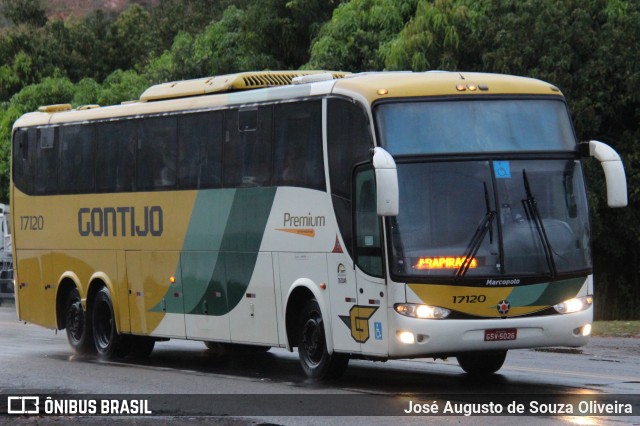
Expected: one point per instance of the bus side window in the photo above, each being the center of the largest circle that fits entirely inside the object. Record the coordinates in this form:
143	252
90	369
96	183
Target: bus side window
200	150
247	150
349	142
45	161
114	156
156	153
298	145
77	159
21	159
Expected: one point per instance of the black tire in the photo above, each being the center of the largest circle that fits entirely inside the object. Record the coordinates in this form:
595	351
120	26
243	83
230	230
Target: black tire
77	324
109	344
481	363
315	359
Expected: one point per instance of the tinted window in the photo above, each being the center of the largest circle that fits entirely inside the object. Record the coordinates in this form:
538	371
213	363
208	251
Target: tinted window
45	161
114	156
156	153
200	150
20	160
349	144
77	158
247	152
475	126
298	145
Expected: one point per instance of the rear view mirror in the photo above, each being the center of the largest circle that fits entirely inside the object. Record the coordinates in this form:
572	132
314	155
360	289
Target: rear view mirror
613	173
387	195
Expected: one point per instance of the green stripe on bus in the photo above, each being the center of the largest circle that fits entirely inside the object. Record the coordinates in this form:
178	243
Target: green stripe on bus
545	294
239	248
560	291
220	249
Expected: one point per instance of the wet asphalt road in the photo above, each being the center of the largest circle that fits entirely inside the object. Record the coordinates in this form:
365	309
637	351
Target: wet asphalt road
271	388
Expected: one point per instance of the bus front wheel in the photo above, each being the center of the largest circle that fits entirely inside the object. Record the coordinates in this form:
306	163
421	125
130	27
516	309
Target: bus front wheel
109	344
78	324
481	363
315	359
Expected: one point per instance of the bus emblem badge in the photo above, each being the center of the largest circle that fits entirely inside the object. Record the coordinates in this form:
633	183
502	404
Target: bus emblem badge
503	307
358	321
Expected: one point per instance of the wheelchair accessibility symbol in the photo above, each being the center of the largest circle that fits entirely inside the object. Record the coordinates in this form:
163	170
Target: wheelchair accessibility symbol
502	169
377	330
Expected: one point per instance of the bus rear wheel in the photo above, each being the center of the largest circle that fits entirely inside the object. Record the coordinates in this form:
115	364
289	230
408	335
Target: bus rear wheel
109	344
78	324
315	359
481	363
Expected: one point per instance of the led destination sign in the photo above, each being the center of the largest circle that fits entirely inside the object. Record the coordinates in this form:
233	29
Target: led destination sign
448	262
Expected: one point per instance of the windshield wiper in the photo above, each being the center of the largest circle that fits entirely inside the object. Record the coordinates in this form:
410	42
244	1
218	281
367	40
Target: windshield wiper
486	225
531	209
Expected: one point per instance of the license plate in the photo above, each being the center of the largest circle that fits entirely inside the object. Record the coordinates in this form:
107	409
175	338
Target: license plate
500	334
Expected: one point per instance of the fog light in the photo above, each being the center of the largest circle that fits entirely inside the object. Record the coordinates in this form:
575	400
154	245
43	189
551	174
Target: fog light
586	330
574	305
406	337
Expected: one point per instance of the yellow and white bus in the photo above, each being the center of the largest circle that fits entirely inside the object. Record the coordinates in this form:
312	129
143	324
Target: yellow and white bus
374	215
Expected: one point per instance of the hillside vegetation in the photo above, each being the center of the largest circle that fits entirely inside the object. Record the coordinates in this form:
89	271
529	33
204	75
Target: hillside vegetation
588	48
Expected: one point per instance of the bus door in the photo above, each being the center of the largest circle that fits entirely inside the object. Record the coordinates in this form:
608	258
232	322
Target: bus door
156	300
370	319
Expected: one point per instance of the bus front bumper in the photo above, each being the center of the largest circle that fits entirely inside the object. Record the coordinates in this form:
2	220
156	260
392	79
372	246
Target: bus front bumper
415	338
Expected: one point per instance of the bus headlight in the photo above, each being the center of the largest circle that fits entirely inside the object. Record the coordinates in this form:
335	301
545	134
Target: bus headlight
421	311
574	305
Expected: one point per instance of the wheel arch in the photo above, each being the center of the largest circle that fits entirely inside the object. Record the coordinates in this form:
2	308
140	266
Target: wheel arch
299	293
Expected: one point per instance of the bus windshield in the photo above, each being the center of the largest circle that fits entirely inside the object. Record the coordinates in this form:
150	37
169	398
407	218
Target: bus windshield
490	218
475	126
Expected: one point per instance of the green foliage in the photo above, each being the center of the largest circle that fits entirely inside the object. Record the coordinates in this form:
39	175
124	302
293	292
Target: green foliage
171	17
267	34
51	90
588	48
438	37
121	86
24	12
13	74
352	39
223	47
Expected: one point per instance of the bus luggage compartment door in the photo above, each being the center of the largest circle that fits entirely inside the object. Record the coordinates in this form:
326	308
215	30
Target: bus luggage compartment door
155	293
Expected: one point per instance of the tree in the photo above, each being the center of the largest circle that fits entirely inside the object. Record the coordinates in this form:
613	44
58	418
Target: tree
24	12
585	47
12	75
351	41
223	47
438	37
171	17
121	86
